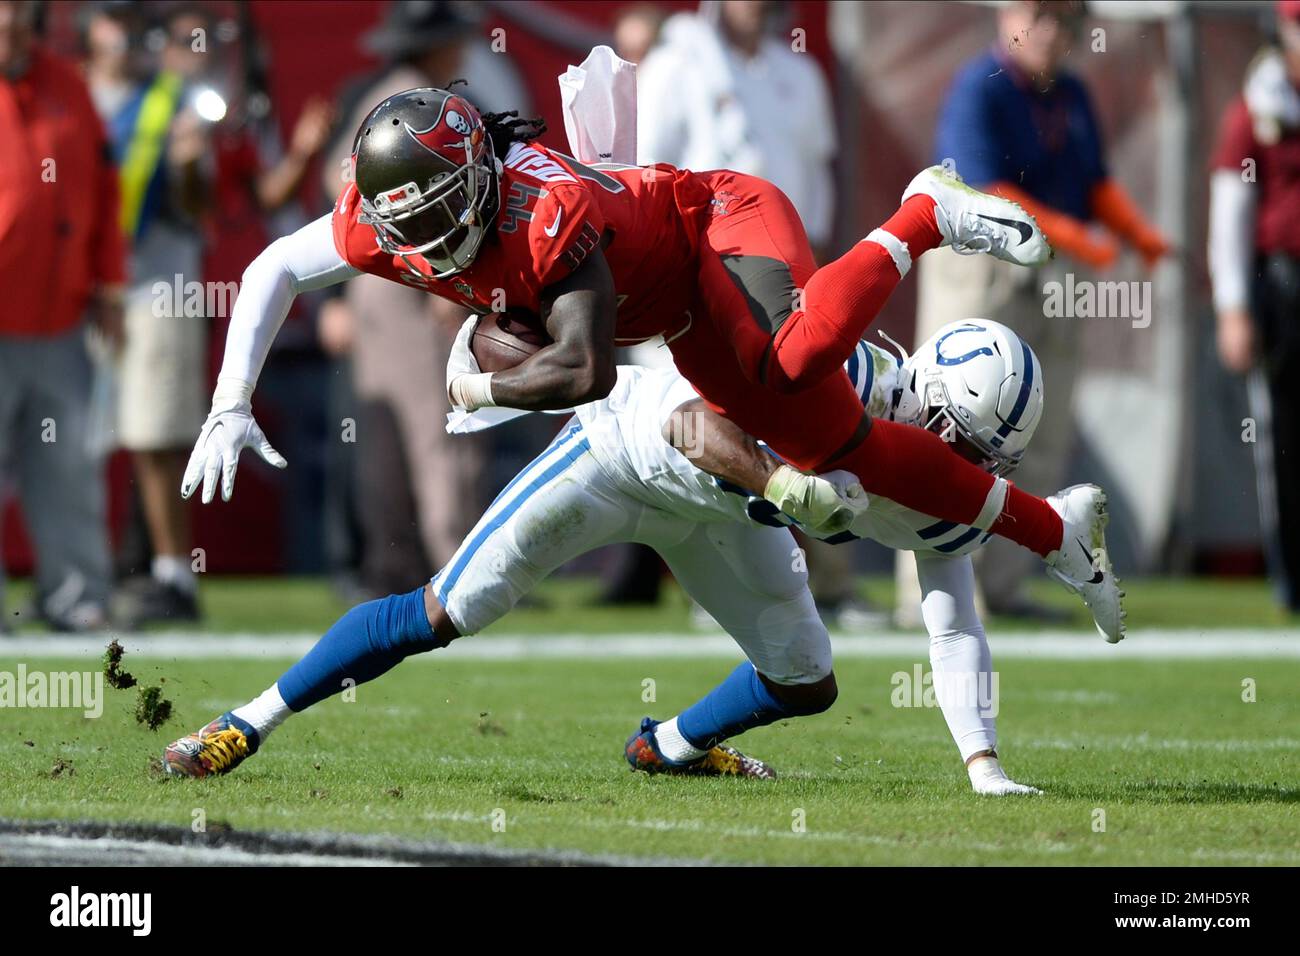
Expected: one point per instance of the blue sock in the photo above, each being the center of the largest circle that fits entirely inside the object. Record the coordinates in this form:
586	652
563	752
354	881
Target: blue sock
740	702
367	641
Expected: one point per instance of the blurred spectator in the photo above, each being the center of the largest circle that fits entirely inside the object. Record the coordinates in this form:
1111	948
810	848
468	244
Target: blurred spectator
1016	123
720	91
1254	258
636	31
410	471
723	90
162	130
61	259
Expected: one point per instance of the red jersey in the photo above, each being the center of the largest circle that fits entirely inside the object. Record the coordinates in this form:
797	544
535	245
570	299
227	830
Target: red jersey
1278	173
554	211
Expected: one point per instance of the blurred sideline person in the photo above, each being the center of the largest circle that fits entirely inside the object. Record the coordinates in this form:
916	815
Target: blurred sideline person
61	260
1017	124
724	90
410	472
636	31
163	141
617	472
1254	257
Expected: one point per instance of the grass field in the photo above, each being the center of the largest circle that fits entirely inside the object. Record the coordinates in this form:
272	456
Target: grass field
443	748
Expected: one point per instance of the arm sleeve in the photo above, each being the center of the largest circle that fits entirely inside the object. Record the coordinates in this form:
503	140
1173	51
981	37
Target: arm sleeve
300	262
1231	249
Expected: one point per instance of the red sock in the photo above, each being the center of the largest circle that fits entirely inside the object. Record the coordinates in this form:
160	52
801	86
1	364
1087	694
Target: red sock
842	299
917	469
915	225
1030	521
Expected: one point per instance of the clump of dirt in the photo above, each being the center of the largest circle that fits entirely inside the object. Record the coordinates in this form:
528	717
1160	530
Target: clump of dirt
151	708
113	673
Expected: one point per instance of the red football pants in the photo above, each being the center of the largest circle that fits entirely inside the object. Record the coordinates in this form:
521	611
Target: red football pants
769	341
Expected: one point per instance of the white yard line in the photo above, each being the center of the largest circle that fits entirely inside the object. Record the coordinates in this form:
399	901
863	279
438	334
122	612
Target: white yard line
1057	645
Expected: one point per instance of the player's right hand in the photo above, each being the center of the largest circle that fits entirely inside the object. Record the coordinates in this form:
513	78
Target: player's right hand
230	429
823	504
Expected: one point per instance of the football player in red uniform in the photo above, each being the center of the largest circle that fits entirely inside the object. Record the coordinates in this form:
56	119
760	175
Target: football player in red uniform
473	209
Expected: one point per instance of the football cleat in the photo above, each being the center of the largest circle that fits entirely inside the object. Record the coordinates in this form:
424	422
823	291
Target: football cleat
218	748
971	221
1082	563
642	752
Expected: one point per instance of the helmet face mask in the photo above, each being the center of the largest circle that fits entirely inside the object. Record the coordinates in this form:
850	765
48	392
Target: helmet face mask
983	391
428	179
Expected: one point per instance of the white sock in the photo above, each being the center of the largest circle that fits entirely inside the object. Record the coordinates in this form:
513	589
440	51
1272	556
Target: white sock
965	687
673	745
265	712
176	571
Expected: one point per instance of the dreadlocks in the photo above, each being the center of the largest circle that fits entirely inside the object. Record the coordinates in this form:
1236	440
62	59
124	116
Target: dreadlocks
507	129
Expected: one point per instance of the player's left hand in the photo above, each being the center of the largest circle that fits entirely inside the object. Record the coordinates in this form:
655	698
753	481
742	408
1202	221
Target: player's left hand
230	429
823	504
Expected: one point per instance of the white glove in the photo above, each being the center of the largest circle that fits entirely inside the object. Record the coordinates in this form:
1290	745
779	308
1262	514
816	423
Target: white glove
468	386
227	432
823	504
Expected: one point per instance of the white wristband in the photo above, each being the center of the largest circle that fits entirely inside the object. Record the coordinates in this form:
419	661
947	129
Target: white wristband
472	391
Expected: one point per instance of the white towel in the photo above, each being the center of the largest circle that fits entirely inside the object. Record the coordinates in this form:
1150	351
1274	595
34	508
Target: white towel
599	101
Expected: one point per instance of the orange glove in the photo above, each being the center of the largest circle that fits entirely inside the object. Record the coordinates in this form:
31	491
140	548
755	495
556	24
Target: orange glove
1066	234
1117	211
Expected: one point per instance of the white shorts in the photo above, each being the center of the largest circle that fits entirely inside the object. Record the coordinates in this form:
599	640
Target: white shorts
162	397
749	577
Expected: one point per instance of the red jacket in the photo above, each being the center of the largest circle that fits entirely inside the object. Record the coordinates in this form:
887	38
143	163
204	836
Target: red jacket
59	232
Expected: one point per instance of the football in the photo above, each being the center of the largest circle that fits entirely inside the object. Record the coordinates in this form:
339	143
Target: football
504	339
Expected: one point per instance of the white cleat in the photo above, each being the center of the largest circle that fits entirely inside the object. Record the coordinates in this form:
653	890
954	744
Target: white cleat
971	221
1082	563
988	778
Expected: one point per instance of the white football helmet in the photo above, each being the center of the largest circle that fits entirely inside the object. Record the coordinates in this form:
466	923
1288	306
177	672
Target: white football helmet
982	380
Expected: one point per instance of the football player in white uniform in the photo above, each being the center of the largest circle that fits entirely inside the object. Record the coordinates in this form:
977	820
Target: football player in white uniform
631	467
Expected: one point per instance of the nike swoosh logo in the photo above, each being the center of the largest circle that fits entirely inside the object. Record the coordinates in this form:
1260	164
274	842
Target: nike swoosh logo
554	227
1025	229
1097	576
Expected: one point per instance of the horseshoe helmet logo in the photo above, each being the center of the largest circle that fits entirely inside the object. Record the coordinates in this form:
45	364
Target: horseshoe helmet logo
960	359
